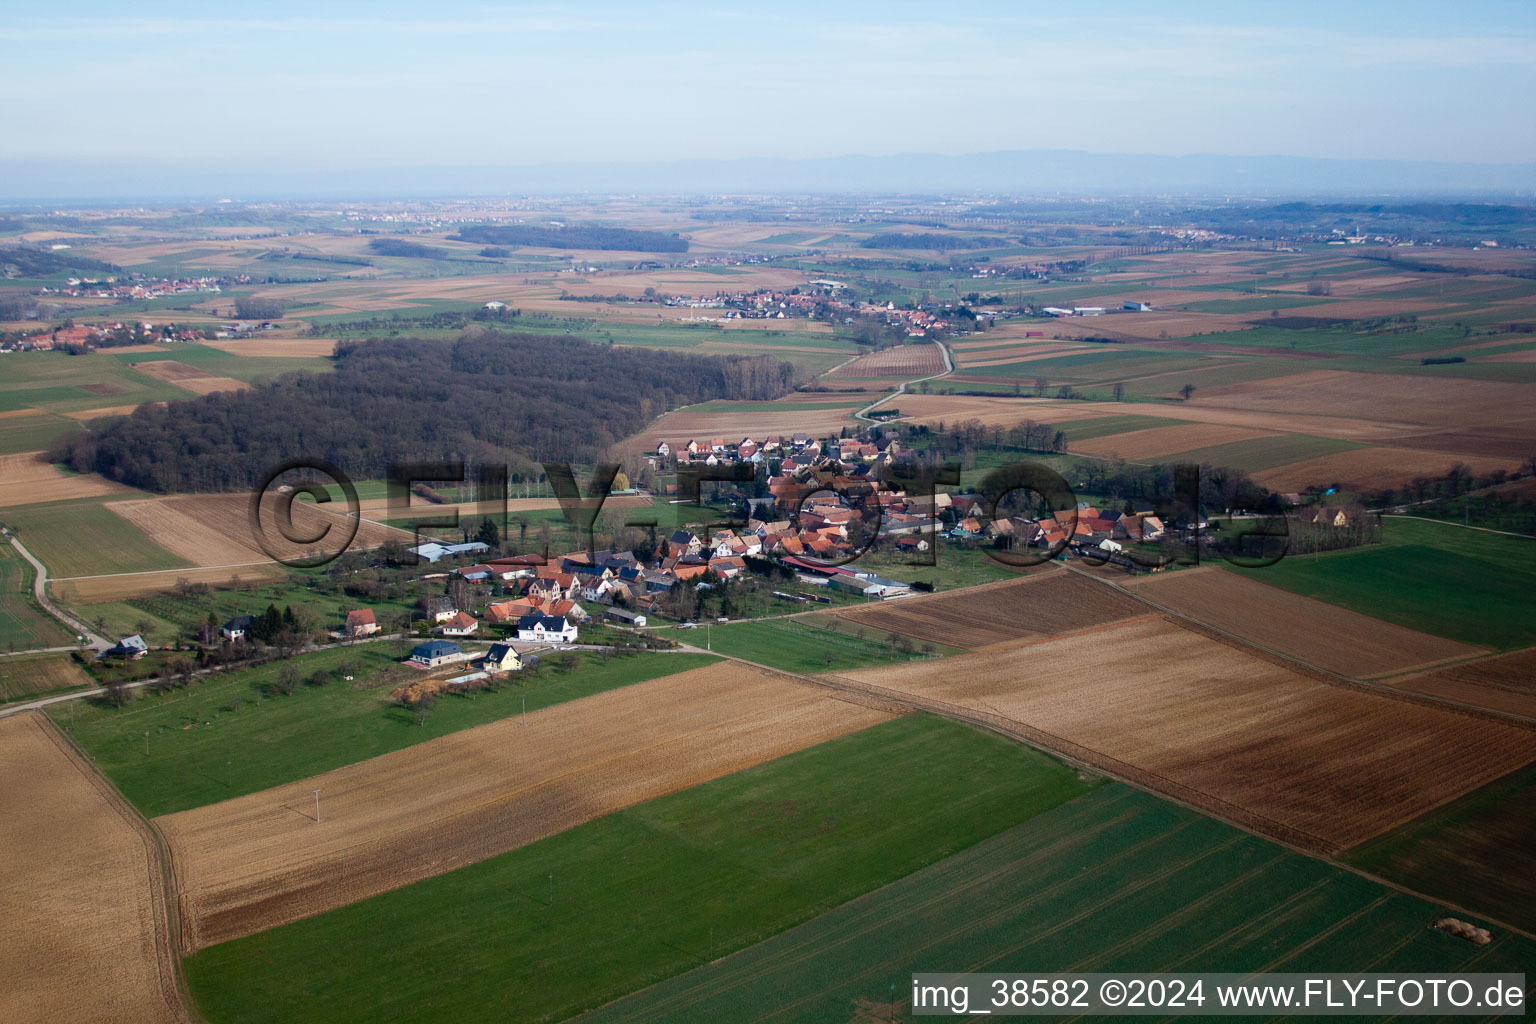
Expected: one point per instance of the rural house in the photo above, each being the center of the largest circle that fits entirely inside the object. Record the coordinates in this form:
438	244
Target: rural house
545	629
237	627
435	652
502	658
360	622
458	624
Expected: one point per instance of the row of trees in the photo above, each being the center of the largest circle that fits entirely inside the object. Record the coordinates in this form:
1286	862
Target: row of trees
572	237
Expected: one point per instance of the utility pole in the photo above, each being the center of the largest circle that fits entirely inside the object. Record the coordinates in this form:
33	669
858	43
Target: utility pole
551	888
525	711
317	807
146	742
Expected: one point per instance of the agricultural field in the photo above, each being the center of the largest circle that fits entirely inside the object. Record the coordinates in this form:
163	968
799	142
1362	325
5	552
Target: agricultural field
197	381
1478	851
28	430
900	361
1116	880
23	677
1152	442
84	935
1256	742
1001	615
1298	627
215	529
82	591
53	382
1506	682
1438	578
747	419
23	624
84	538
233	734
259	861
644	893
27	479
806	644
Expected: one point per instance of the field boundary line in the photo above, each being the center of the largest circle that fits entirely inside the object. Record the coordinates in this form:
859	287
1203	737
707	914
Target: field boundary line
898	702
1318	673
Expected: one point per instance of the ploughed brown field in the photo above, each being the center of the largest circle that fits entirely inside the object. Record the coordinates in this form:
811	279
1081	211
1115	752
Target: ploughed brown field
1151	442
1319	634
215	529
772	418
262	860
121	586
1319	765
27	480
1001	614
1505	683
199	382
897	361
83	936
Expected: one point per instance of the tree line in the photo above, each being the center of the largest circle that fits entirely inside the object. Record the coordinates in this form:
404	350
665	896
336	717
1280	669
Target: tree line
514	399
592	237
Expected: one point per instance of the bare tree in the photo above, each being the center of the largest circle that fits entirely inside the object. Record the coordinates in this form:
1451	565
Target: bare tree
287	679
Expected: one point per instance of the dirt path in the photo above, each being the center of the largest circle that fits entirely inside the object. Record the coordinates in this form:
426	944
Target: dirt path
901	389
40	591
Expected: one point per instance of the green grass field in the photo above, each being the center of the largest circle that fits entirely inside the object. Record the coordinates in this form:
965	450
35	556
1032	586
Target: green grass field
1440	578
1478	851
1114	881
222	738
798	645
222	364
1261	453
84	538
1103	426
56	382
645	893
954	565
23	624
121	618
32	432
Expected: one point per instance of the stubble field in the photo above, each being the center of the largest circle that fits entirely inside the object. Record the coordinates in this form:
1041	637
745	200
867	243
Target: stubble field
999	614
83	937
1331	638
25	479
215	529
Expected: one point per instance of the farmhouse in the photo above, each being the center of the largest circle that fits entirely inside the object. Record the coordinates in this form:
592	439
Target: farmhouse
360	622
545	629
458	624
237	627
436	652
131	647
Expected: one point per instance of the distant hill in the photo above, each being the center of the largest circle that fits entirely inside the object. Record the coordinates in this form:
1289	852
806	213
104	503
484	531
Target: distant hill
1011	171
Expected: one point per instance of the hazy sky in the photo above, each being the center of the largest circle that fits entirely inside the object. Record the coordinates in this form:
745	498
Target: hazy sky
315	85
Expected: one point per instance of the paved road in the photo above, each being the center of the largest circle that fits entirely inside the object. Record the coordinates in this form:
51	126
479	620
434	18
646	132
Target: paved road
949	368
40	591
